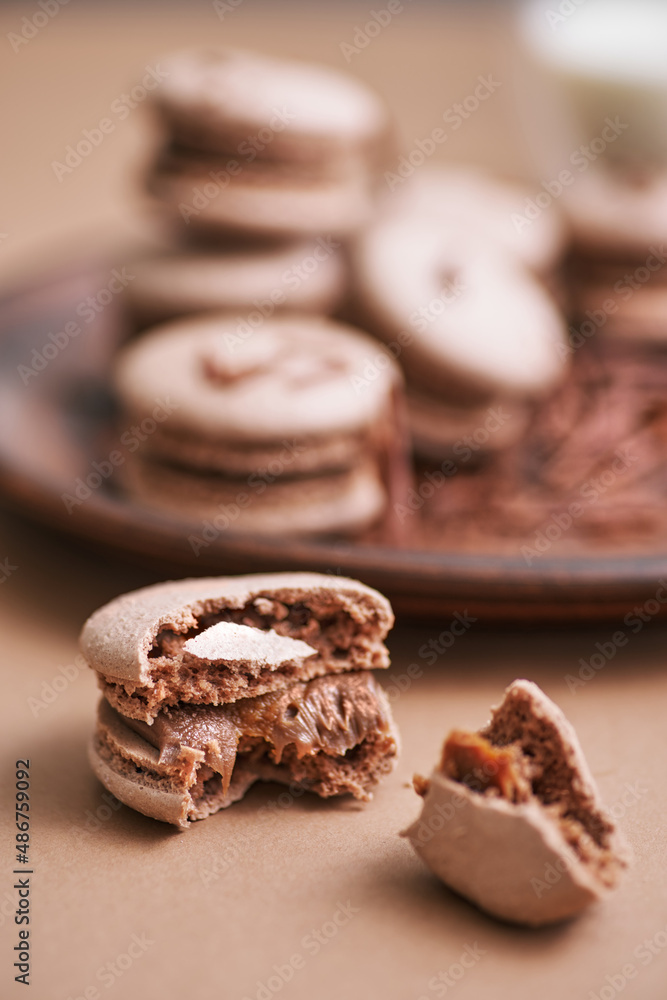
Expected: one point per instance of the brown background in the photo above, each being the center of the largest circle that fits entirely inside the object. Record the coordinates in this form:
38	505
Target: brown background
239	893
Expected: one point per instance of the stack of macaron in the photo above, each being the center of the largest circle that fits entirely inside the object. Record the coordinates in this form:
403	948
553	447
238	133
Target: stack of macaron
266	166
619	264
444	277
211	685
294	428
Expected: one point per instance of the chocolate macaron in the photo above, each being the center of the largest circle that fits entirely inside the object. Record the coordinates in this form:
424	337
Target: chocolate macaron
266	146
210	685
618	270
512	806
279	422
471	326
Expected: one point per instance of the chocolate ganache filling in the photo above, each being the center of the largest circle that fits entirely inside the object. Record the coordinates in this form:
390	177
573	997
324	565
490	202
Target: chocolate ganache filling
331	714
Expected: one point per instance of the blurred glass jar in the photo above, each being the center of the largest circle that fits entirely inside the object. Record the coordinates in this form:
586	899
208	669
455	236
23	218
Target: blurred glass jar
600	82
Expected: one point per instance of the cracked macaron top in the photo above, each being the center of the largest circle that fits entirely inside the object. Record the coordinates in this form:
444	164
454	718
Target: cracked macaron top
214	641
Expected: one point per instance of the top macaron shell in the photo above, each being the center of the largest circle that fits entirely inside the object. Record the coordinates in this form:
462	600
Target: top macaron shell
228	90
117	638
468	197
293	376
489	326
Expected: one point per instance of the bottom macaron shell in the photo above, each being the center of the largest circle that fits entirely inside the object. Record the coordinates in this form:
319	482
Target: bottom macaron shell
347	501
260	462
438	427
130	769
278	208
524	870
641	317
176	284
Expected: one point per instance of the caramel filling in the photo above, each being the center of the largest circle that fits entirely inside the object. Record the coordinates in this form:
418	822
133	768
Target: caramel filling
329	714
472	760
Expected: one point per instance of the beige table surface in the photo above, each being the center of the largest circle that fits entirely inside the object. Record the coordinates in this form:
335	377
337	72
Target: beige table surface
124	907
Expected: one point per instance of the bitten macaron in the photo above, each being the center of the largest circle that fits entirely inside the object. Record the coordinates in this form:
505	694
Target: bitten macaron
211	685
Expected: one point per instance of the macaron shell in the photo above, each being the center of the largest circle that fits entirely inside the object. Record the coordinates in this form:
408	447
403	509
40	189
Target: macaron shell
490	327
277	207
611	212
117	638
129	767
641	318
226	88
437	427
338	502
525	702
469	198
257	463
515	860
308	276
513	846
273	404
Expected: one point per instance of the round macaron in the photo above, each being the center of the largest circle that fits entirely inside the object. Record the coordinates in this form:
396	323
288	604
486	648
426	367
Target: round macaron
471	323
298	415
267	147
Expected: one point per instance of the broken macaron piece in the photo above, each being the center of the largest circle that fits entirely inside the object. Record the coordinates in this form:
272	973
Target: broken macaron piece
210	685
512	818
